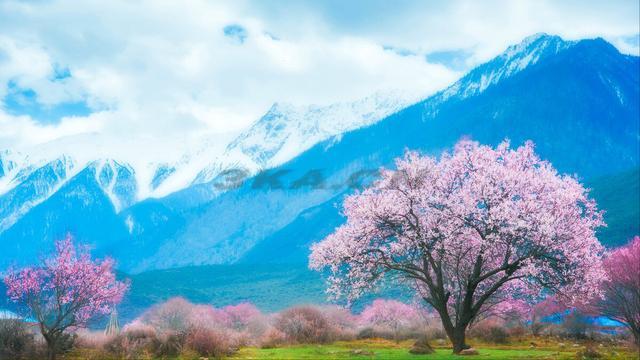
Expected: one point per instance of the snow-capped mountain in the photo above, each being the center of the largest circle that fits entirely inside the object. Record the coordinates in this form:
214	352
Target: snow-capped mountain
567	102
578	101
282	133
285	130
515	59
25	185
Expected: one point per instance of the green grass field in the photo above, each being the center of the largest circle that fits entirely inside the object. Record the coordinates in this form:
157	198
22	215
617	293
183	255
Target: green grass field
385	349
382	349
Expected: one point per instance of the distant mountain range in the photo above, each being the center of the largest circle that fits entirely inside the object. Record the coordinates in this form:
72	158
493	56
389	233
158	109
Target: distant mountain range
578	101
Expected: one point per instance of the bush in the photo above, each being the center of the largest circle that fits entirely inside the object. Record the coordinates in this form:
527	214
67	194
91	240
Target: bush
342	322
170	345
272	338
576	325
241	315
92	339
172	315
16	340
392	319
137	341
210	342
304	325
516	332
490	330
496	335
389	314
434	333
386	333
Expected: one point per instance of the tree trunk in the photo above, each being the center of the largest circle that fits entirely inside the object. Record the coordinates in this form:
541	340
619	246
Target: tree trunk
51	347
458	339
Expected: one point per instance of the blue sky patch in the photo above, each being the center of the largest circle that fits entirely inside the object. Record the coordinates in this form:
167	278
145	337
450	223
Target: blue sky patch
19	101
453	59
399	51
236	33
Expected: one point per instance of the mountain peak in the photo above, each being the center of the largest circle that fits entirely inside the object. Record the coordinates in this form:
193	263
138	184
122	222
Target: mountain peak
514	59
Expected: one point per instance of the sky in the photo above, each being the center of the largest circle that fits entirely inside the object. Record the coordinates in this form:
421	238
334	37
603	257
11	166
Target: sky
167	72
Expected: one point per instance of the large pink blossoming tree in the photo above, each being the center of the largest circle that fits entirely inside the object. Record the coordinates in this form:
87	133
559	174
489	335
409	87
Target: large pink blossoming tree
468	231
622	289
65	291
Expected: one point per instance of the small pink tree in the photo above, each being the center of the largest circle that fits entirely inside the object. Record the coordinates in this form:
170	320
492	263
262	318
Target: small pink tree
529	314
622	290
65	292
468	231
390	314
240	315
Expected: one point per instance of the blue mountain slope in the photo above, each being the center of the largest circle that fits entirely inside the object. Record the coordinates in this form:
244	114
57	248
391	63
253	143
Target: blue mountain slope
579	105
578	101
80	207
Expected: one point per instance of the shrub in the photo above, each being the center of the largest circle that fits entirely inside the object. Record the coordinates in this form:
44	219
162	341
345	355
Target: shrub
517	331
16	340
496	335
576	325
366	333
386	317
168	344
241	315
342	322
210	342
172	315
137	329
137	341
206	316
304	325
490	330
92	339
389	314
272	338
435	332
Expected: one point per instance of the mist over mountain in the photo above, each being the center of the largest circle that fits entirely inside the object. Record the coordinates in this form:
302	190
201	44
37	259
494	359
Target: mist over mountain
577	100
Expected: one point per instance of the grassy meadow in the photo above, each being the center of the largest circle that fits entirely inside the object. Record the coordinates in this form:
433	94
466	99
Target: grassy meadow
545	348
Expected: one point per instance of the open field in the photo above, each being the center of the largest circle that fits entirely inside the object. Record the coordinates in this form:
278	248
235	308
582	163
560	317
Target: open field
385	349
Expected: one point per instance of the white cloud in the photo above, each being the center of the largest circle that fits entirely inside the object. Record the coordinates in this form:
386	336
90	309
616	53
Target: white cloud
167	70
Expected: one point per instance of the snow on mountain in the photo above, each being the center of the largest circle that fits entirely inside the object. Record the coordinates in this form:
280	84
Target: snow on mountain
515	59
117	181
287	130
127	177
30	185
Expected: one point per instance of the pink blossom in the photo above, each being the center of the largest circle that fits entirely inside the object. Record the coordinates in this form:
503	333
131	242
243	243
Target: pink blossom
241	315
622	290
66	291
390	314
468	231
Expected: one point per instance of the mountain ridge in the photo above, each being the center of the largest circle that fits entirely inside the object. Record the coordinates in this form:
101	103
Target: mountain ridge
577	101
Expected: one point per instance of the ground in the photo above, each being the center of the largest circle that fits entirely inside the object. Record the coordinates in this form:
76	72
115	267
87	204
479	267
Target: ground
383	349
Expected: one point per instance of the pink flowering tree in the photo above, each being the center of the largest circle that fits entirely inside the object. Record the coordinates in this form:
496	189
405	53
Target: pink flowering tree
389	314
622	289
467	231
527	313
65	291
240	315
